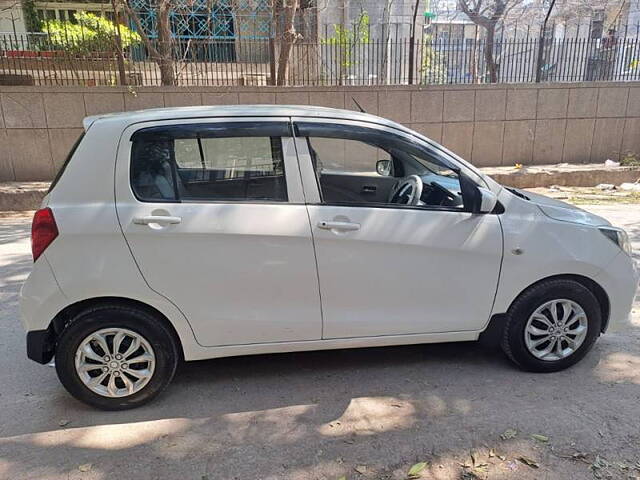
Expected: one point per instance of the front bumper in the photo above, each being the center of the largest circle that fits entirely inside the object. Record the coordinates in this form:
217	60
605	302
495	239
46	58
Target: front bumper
40	346
620	280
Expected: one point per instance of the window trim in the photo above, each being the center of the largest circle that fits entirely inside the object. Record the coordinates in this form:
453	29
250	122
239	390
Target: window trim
225	129
215	128
395	206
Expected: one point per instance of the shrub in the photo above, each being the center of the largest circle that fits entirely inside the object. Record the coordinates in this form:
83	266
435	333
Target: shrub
91	33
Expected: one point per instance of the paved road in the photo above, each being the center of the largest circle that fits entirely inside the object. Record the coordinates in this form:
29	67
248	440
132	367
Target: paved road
326	414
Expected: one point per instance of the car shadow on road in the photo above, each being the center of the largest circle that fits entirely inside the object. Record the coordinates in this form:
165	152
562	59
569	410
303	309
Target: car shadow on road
319	410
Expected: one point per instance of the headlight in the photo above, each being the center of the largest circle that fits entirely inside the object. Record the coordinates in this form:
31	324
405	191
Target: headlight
619	237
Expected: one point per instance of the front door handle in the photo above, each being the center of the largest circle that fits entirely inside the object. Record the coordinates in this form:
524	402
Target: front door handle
159	219
344	226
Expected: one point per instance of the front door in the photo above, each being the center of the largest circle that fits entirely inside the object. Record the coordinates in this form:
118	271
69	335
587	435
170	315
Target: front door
214	215
394	265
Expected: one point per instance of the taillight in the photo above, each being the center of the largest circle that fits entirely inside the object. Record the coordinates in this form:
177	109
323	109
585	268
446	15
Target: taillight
43	231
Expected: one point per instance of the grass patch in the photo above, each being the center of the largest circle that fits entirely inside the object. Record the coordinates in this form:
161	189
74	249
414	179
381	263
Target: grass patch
630	198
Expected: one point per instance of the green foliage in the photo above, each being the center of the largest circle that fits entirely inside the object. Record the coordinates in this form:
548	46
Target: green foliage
347	39
433	69
31	20
630	159
91	33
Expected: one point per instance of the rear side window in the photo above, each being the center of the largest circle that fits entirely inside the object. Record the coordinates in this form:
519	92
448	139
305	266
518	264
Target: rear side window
66	162
243	162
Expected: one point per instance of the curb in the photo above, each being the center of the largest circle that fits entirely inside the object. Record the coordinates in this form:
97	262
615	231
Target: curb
20	196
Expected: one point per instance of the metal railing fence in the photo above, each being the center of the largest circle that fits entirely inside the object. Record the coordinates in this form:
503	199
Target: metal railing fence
36	59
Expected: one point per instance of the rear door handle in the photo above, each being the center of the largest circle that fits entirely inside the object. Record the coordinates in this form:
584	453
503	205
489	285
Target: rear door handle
344	226
369	189
159	219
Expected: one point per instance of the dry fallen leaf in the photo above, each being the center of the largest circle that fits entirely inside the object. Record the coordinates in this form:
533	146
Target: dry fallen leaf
414	471
361	469
540	438
470	475
527	461
85	467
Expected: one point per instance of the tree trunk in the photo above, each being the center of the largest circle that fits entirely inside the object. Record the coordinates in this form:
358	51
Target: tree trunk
287	39
118	43
412	41
165	54
492	66
383	74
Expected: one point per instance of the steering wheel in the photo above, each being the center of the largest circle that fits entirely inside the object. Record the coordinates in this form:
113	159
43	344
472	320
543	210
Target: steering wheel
407	191
446	195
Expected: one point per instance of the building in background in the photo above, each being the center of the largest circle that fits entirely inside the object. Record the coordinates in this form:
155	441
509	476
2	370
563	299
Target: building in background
11	17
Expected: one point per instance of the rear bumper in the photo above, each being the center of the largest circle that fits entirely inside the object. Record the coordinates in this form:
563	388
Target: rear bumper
40	346
40	297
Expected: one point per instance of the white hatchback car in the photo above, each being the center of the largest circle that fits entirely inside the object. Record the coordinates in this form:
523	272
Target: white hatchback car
194	233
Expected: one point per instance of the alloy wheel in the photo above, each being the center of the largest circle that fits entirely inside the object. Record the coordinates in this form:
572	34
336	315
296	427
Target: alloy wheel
115	362
555	330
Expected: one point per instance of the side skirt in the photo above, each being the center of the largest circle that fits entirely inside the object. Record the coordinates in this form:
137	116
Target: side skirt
328	344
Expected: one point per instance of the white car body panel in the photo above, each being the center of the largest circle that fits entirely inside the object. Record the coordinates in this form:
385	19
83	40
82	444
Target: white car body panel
93	205
551	247
90	258
408	271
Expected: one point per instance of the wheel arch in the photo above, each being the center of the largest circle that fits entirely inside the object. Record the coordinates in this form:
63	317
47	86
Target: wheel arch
61	320
590	284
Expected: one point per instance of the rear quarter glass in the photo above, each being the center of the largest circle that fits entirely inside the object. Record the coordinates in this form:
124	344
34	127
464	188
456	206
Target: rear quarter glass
66	162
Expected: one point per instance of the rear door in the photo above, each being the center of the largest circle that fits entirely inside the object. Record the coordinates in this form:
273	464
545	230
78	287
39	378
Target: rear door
214	215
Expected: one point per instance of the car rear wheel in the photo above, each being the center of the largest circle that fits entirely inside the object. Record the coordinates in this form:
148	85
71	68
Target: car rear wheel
116	357
551	326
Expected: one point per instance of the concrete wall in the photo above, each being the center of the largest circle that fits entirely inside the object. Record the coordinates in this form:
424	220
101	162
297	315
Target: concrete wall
489	125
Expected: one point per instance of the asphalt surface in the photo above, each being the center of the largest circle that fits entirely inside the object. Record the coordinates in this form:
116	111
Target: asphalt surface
369	413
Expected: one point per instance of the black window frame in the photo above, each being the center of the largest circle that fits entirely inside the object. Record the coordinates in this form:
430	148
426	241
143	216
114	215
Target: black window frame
265	128
306	130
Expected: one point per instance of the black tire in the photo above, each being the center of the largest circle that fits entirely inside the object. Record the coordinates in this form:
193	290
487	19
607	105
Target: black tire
131	318
513	341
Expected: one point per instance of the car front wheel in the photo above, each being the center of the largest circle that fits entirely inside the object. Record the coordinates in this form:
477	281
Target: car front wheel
552	325
115	357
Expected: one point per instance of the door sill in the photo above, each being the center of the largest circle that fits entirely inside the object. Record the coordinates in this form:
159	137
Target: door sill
202	353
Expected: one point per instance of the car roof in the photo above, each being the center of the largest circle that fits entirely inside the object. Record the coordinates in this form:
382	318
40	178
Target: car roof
158	114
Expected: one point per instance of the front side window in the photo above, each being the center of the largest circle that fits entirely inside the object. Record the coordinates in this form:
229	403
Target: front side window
208	164
361	166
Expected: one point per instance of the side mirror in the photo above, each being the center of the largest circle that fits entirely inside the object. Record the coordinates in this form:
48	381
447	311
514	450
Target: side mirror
476	199
383	167
488	200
